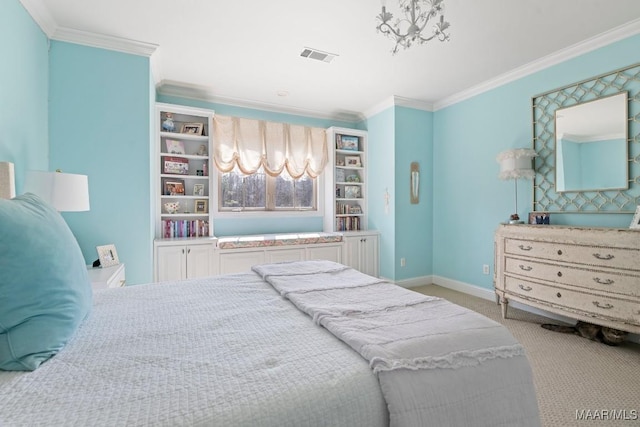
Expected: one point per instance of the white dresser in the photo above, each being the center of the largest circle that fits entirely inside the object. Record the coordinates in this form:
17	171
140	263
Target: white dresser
107	277
589	274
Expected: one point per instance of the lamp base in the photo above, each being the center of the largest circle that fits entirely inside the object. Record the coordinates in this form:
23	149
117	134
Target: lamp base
515	221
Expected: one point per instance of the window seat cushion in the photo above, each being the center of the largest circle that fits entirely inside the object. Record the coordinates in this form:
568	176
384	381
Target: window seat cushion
263	240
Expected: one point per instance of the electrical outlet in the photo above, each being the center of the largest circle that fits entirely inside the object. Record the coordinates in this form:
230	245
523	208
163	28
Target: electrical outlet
403	262
485	269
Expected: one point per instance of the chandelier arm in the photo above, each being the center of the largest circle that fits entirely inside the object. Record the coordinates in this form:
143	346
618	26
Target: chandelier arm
388	29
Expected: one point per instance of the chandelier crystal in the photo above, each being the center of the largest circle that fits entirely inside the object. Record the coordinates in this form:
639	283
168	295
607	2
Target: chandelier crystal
407	31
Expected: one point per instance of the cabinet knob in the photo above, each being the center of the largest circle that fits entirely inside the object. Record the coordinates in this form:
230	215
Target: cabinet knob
559	295
559	273
559	252
182	250
189	250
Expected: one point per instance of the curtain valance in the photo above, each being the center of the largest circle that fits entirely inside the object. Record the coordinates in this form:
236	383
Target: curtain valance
250	143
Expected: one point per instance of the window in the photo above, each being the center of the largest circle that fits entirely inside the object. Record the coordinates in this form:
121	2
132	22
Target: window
261	192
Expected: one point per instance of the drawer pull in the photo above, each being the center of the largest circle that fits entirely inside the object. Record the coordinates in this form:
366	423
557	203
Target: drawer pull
525	248
525	268
559	273
606	257
603	282
607	306
559	252
559	295
525	288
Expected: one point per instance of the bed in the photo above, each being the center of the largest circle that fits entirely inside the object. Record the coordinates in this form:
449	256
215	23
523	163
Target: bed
311	343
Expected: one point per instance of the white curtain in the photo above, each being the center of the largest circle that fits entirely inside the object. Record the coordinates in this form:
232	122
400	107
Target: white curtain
250	144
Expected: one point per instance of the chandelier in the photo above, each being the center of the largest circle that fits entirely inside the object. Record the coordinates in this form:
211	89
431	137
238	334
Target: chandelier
408	30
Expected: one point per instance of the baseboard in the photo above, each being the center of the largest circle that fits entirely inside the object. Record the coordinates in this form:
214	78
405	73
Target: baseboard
414	282
490	295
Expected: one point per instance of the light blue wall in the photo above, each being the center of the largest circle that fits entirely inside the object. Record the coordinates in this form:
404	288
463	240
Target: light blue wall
469	199
382	179
414	223
24	82
100	112
239	226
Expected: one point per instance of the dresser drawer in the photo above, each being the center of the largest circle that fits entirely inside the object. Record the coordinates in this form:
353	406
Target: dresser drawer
592	304
588	278
595	256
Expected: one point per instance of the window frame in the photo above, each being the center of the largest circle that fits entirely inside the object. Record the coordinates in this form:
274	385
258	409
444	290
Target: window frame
276	212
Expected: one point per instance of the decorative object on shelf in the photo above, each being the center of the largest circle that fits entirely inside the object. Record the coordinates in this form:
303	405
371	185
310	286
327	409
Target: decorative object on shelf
107	255
408	30
415	183
66	192
174	188
352	161
635	222
339	162
175	165
202	151
198	189
201	206
167	124
7	181
349	142
174	147
353	178
340	175
355	210
192	128
172	207
352	192
516	164
339	142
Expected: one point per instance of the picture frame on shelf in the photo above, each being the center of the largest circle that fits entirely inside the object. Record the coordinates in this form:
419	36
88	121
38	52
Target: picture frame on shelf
635	222
539	218
174	188
202	150
175	165
350	142
198	189
201	206
339	142
192	128
340	175
352	191
107	255
355	210
174	146
352	161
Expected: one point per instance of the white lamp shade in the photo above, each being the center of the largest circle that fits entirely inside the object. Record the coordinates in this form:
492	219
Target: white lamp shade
517	163
7	181
66	192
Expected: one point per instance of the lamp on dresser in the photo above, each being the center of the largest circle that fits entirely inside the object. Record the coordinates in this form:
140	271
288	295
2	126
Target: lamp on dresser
7	181
66	192
515	164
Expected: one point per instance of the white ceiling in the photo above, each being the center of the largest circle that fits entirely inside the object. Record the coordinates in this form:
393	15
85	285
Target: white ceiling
245	52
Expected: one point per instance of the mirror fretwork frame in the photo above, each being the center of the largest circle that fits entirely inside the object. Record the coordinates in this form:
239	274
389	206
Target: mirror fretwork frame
544	106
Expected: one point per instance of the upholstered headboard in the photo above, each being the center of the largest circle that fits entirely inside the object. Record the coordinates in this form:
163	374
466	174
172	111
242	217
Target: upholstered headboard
7	181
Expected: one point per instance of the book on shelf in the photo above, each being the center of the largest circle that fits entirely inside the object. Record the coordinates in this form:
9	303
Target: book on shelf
348	223
184	228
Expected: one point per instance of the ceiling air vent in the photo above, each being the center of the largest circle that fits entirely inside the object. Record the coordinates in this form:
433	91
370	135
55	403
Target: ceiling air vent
317	54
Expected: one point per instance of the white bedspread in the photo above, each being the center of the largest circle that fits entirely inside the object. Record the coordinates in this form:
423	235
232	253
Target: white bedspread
224	351
438	363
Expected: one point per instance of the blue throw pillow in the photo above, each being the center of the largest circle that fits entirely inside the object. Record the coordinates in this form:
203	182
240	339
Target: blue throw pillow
45	291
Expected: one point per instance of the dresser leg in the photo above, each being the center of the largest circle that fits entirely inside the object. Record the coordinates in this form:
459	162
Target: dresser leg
504	308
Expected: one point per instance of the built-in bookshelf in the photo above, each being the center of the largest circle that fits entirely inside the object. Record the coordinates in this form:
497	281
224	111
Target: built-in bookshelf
346	192
183	183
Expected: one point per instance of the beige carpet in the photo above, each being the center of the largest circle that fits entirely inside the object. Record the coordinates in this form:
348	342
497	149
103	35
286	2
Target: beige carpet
570	373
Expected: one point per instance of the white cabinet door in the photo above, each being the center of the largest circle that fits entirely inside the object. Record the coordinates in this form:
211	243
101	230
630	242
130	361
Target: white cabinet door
239	261
171	263
361	253
282	255
369	255
199	258
325	252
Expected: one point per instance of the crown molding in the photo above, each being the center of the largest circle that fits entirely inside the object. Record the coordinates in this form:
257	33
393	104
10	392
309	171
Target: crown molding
398	101
596	42
200	93
105	42
40	14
